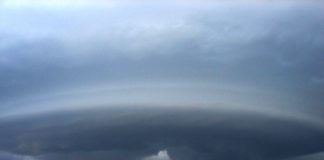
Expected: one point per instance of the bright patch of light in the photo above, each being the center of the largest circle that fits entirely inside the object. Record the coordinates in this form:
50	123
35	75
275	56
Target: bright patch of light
161	155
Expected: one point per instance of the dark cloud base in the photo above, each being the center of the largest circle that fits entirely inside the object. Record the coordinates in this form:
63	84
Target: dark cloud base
268	47
197	134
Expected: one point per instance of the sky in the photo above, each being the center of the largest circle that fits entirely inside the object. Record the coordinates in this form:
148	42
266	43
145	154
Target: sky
161	80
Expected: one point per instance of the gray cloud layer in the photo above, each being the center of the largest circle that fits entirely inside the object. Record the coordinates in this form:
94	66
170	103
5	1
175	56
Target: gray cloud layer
259	58
184	133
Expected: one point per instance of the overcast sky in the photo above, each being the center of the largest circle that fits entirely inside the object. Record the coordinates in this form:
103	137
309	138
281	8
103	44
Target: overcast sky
161	80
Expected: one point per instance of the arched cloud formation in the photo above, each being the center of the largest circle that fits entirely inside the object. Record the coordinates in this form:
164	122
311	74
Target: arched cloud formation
174	80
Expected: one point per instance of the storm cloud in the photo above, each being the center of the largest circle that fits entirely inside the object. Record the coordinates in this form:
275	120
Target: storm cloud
140	80
130	133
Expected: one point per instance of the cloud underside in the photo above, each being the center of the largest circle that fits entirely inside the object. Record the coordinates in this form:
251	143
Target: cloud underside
231	44
137	133
161	81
